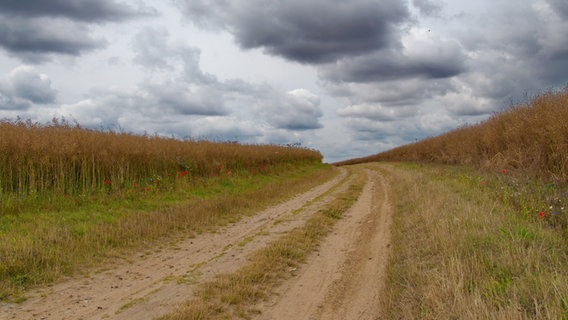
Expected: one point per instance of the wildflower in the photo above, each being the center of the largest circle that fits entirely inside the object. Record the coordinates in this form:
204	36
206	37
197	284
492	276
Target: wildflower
482	183
504	171
107	182
541	214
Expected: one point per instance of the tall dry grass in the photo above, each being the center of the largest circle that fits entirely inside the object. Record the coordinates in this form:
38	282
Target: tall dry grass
65	159
532	139
460	253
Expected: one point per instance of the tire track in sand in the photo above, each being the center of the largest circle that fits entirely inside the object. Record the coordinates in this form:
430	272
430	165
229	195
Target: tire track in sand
345	279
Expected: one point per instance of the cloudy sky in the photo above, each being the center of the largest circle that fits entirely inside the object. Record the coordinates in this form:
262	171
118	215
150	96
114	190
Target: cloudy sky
349	78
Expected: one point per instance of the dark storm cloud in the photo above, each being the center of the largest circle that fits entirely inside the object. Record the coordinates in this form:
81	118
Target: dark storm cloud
440	60
317	31
34	30
84	10
23	87
32	39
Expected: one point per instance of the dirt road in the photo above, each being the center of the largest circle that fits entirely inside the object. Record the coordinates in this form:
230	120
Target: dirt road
341	281
344	280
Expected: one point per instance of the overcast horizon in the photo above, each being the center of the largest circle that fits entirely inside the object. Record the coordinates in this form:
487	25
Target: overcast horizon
349	78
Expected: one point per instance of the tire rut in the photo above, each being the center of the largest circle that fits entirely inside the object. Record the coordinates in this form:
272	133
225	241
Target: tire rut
153	284
345	279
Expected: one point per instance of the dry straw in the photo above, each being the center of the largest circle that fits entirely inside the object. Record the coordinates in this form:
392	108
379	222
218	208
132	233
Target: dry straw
531	138
67	159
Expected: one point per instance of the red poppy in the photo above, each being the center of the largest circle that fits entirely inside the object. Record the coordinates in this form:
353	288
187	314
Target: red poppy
541	214
504	171
107	181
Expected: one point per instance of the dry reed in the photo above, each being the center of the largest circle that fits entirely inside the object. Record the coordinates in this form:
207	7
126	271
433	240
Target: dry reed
531	139
64	159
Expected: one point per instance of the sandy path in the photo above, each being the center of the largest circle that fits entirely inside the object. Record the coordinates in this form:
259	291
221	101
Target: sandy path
153	284
344	280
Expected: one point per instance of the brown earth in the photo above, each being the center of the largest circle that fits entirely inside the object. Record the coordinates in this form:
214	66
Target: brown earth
343	280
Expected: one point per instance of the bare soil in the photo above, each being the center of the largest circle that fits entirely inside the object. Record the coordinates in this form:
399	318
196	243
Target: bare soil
343	280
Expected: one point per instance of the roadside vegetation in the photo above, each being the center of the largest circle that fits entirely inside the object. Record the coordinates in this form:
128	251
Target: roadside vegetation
481	227
528	140
475	246
70	198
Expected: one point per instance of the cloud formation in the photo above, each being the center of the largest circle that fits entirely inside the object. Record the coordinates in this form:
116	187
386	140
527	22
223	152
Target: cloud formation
84	10
23	87
298	109
34	30
313	32
421	56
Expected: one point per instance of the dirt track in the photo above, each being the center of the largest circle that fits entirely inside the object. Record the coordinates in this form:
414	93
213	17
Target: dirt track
343	280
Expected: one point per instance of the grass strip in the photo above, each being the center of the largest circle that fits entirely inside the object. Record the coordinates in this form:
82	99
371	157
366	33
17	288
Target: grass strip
460	252
38	248
234	295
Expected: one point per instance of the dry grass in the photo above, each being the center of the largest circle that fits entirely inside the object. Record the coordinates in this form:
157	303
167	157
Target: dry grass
37	249
531	140
37	161
461	253
71	197
232	296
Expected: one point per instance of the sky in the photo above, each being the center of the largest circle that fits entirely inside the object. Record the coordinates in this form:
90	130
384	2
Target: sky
348	78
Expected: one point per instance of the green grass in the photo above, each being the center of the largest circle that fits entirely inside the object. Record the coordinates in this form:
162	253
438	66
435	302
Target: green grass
463	249
37	247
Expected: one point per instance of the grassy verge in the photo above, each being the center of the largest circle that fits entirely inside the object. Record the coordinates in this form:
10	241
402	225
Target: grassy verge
234	295
37	248
461	252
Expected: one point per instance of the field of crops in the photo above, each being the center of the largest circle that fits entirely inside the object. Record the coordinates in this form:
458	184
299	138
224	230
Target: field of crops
62	160
531	140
